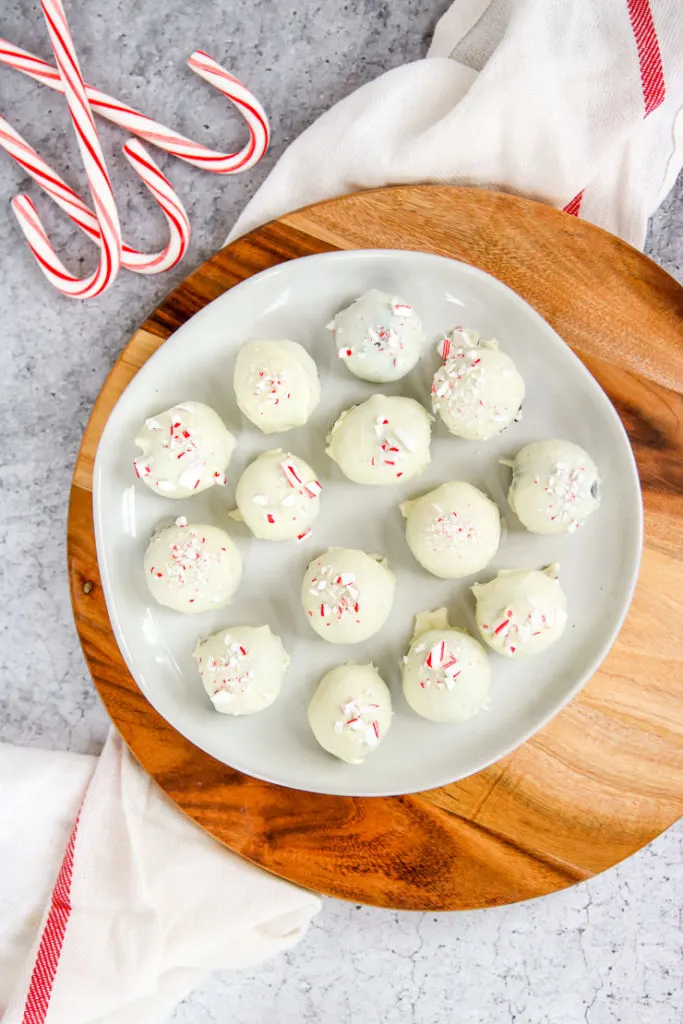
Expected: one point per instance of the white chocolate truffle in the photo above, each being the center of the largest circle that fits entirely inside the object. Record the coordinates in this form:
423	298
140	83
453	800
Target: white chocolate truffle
276	384
350	712
278	497
379	337
453	531
477	391
555	486
184	450
521	612
347	595
192	568
382	441
242	668
446	672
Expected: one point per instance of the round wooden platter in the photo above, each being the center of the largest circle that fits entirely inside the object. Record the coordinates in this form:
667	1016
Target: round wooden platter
606	776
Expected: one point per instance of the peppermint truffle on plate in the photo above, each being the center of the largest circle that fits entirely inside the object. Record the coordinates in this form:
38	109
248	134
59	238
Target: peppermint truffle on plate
446	672
477	391
184	450
242	668
347	595
350	712
278	497
453	530
192	568
379	337
555	486
382	441
276	384
521	612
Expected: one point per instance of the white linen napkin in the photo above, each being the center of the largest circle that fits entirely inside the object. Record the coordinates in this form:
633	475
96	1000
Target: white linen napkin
144	903
578	104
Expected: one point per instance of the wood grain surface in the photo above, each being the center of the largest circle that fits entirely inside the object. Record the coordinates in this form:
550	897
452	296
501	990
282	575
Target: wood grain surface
606	776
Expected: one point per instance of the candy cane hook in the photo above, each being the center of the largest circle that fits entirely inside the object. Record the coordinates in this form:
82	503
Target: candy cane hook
153	132
96	170
162	190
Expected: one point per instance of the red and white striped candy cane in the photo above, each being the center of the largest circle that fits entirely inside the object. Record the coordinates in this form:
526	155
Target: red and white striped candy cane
153	132
96	170
162	190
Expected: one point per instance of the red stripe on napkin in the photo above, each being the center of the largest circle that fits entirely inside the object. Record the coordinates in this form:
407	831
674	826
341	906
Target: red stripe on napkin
574	205
651	70
51	941
649	55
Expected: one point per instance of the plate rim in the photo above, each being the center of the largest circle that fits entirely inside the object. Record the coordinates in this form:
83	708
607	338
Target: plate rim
341	255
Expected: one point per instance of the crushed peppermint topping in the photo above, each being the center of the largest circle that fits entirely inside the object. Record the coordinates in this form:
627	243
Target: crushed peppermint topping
450	528
384	340
191	476
180	440
516	626
359	721
459	382
269	388
380	339
180	445
337	593
392	444
567	486
230	675
441	666
311	488
299	490
189	564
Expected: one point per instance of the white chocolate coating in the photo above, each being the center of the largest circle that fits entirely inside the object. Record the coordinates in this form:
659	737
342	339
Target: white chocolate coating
184	450
379	337
453	531
278	497
478	391
555	487
192	568
350	712
446	672
382	441
347	595
276	384
521	612
242	668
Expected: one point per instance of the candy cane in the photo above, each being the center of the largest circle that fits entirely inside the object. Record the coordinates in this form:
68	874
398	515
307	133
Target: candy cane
98	178
176	217
153	132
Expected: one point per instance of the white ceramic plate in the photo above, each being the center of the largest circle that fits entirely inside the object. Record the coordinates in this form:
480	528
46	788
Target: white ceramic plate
599	563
